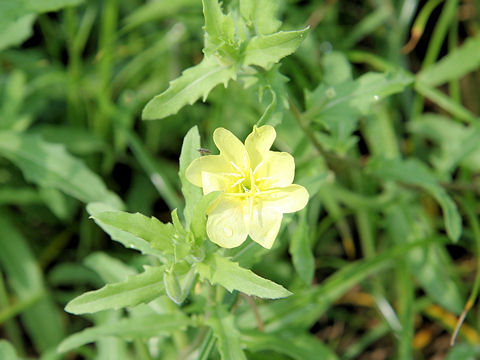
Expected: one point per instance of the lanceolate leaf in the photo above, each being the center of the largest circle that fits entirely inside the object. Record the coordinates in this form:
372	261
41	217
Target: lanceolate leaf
192	193
415	173
50	165
266	50
126	239
194	83
161	236
136	289
129	329
222	271
226	333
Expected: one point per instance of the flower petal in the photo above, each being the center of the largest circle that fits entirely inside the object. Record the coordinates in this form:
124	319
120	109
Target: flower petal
276	170
216	182
209	163
231	148
285	199
227	224
258	143
264	225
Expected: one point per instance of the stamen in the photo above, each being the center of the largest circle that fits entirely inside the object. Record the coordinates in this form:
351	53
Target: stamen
236	167
239	181
258	166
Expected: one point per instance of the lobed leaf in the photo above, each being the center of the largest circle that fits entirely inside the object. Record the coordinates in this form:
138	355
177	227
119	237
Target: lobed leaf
195	82
219	28
136	289
222	271
260	15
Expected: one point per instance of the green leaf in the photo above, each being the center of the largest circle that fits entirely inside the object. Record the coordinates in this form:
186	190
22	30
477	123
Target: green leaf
17	17
14	32
336	68
339	107
194	83
431	265
7	351
50	165
266	50
156	11
129	329
223	326
260	15
301	250
109	268
414	172
161	236
296	346
222	271
41	319
464	352
136	289
76	139
219	28
448	67
458	143
192	193
199	221
126	239
306	306
330	104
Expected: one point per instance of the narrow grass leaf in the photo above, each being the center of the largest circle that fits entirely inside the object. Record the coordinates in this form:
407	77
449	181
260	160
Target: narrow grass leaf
414	172
49	165
296	346
301	250
219	270
41	319
223	326
468	55
136	289
129	329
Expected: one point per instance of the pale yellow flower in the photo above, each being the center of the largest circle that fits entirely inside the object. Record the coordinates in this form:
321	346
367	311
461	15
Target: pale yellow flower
256	186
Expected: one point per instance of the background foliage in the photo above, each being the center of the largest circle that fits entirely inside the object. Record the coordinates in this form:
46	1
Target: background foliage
379	106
